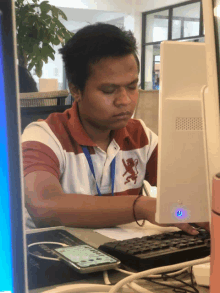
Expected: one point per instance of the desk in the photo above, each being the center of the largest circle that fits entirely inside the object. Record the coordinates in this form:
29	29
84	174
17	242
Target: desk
95	239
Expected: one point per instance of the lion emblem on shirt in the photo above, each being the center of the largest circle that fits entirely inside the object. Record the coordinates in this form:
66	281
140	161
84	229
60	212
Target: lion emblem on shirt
131	170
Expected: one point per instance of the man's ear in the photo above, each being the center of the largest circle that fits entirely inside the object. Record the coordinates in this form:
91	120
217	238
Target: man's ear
75	92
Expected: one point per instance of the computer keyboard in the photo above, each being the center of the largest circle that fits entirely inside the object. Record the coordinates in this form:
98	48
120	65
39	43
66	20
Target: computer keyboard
159	250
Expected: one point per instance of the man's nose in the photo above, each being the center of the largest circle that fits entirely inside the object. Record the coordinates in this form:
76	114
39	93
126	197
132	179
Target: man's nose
122	98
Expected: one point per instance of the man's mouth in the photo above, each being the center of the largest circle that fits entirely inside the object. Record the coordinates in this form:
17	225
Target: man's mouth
123	114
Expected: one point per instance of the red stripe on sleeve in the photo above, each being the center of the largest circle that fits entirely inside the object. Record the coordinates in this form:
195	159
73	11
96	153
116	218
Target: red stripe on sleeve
39	157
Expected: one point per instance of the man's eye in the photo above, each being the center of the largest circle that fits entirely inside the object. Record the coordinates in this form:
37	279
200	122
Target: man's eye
110	91
132	87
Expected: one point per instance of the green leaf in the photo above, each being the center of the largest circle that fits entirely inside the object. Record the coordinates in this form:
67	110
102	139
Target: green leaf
45	7
54	11
44	2
52	56
31	65
37	31
46	50
38	71
56	41
58	23
45	59
62	14
38	68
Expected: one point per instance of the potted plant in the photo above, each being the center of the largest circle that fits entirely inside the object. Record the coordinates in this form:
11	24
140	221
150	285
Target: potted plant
38	30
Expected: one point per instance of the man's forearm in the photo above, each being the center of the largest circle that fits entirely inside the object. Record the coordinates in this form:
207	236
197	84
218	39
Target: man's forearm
78	210
50	206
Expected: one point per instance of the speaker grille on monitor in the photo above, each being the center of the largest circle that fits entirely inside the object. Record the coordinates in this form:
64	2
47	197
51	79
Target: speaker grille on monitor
189	123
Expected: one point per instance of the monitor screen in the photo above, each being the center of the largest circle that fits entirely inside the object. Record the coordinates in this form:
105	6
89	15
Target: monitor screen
12	244
5	251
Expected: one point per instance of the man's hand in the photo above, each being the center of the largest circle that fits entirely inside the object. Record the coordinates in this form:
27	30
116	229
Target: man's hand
147	208
188	228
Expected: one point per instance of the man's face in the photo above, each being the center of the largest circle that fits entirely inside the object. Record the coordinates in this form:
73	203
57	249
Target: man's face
110	95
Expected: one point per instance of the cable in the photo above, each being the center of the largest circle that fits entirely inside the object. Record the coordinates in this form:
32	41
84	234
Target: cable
106	278
126	281
138	288
132	285
180	288
46	242
160	276
88	288
153	276
79	288
143	274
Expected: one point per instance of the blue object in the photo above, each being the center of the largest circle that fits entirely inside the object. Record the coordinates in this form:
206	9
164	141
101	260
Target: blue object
6	283
89	159
180	213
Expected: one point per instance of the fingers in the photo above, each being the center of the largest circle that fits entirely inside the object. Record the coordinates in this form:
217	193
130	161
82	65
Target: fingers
187	228
204	225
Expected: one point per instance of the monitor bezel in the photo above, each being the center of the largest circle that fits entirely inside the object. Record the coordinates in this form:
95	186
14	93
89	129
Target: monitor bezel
18	244
217	49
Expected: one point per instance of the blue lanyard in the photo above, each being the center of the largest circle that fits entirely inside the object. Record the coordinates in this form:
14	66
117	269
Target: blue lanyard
89	159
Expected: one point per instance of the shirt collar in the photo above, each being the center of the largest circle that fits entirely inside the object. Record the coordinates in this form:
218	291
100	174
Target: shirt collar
76	129
80	135
121	133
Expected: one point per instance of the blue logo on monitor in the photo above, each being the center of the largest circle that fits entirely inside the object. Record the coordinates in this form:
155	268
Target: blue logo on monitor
180	213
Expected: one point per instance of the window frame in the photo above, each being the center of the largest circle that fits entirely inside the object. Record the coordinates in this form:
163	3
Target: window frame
169	37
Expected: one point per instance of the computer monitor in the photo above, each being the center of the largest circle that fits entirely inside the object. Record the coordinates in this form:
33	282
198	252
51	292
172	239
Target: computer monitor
189	152
12	240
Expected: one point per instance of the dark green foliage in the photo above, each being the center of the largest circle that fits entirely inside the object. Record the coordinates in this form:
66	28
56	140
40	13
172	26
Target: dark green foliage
38	29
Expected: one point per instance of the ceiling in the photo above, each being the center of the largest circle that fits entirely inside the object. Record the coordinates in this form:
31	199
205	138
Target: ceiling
89	15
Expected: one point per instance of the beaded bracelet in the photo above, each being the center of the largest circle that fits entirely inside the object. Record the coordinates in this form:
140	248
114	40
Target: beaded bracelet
142	224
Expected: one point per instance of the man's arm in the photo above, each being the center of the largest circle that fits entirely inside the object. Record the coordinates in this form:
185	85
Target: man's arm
49	205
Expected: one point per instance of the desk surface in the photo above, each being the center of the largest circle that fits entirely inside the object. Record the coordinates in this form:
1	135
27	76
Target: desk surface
95	239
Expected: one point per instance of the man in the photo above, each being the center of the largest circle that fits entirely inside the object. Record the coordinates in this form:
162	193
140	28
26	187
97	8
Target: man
75	161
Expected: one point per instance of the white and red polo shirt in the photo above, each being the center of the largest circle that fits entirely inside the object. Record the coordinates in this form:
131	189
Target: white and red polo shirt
54	145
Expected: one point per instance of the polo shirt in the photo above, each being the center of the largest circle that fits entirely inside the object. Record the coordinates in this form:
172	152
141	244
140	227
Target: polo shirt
54	145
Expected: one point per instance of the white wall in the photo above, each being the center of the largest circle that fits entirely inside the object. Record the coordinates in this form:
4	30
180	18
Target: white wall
127	6
83	12
148	5
107	5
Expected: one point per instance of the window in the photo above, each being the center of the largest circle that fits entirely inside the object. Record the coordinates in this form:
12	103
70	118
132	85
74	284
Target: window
158	26
186	21
180	22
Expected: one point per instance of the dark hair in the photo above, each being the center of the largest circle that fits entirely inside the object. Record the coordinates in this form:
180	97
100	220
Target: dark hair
27	83
92	43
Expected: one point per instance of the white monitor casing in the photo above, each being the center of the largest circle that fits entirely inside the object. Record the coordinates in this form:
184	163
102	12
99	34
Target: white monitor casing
183	182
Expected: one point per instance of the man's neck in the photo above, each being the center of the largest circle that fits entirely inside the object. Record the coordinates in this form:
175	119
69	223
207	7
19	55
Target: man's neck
101	137
96	134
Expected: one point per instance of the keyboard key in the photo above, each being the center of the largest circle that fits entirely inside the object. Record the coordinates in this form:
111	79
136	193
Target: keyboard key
191	243
122	248
199	242
181	245
163	246
112	244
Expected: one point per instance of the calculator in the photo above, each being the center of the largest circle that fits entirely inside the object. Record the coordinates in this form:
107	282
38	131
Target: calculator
86	259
